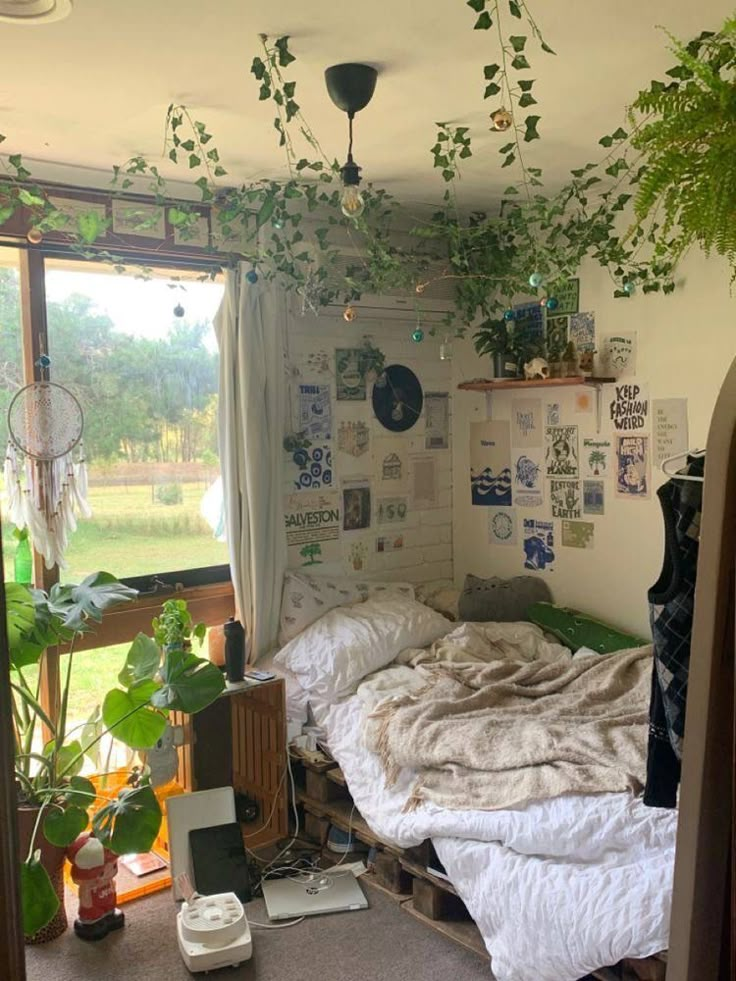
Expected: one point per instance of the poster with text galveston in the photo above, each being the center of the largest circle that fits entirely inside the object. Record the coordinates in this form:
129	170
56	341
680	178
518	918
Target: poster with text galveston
490	464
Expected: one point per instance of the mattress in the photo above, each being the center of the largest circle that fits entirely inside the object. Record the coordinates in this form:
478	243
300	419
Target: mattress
557	888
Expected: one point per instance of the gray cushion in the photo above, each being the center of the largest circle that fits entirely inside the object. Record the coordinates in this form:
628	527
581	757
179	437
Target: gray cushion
502	600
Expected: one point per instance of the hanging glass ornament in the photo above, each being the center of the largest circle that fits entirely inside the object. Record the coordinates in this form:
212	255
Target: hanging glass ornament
446	349
552	302
35	236
349	314
501	120
629	288
179	310
252	276
536	279
508	315
418	335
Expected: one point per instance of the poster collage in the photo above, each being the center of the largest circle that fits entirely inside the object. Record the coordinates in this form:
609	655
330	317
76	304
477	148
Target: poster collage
549	459
353	485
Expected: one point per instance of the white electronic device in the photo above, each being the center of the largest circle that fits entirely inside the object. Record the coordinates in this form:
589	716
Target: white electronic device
213	932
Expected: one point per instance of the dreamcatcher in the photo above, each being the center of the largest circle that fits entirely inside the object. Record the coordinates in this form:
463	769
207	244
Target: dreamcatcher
46	486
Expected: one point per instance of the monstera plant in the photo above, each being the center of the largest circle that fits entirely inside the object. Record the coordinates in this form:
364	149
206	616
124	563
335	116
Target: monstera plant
55	802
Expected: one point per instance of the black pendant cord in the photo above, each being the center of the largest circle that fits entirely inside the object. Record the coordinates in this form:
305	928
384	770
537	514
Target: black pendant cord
351	116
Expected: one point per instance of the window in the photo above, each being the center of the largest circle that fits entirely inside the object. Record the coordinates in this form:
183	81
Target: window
11	373
141	356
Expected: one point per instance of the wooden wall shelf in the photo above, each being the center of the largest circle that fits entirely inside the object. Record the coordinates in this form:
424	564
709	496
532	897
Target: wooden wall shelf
503	384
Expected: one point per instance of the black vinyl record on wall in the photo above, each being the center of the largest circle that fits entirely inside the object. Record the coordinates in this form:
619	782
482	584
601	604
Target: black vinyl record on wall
397	398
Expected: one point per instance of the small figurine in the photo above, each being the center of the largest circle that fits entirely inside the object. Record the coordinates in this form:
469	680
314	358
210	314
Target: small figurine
94	868
162	759
586	362
536	369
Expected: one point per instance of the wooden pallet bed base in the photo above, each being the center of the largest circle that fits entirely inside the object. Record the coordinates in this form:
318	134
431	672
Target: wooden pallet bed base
402	873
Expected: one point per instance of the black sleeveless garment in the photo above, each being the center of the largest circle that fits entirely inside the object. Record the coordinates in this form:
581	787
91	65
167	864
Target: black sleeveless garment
671	605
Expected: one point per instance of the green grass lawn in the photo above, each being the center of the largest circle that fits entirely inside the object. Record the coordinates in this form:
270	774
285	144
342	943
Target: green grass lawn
129	534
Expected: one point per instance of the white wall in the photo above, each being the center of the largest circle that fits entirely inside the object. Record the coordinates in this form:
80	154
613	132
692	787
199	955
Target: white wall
686	342
427	533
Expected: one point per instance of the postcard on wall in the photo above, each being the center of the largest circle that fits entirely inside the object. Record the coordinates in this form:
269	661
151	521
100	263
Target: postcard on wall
632	467
311	467
132	218
578	534
391	464
565	498
568	297
583	401
526	423
315	411
669	428
618	354
553	414
356	504
357	554
312	528
596	457
502	526
594	497
581	330
392	510
353	438
539	545
350	382
424	491
490	464
628	407
561	456
556	337
528	479
436	420
389	543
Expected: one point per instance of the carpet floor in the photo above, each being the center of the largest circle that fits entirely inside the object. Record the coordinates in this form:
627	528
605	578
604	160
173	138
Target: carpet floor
375	944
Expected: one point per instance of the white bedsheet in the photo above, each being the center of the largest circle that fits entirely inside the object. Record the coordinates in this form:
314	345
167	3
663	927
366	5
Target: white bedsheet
557	888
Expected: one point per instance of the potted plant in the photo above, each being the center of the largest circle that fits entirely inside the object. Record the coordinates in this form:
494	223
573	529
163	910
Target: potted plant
174	627
55	802
494	337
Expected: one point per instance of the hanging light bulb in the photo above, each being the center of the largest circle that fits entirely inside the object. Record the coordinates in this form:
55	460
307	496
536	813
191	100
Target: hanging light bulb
351	88
352	202
446	349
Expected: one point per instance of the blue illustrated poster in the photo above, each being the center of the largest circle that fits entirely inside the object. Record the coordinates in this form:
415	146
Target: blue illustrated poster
315	412
539	545
490	464
312	467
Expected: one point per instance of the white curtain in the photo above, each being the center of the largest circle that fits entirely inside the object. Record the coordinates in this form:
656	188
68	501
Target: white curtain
250	328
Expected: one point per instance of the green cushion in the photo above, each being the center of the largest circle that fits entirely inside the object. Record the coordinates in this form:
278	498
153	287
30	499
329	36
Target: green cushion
575	629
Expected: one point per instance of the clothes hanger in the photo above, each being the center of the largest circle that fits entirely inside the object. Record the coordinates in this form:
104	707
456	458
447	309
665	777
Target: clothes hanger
679	457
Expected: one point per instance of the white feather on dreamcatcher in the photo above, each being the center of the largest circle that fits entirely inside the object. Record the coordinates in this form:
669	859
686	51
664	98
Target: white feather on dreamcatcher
45	485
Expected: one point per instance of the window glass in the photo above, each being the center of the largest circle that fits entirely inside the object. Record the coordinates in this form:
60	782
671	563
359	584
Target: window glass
140	355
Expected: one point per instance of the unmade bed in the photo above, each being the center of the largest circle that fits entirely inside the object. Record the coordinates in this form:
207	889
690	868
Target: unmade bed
557	887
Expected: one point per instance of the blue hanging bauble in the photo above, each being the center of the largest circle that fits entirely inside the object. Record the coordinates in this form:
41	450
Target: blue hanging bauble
418	335
629	288
44	361
552	303
536	279
179	310
252	276
508	315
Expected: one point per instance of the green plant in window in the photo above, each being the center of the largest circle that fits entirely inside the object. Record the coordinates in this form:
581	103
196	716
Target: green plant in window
174	626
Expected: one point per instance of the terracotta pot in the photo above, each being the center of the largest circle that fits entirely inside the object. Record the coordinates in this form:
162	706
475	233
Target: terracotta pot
216	645
52	859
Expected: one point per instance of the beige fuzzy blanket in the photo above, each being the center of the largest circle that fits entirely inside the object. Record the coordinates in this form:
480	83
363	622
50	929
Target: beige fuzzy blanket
495	735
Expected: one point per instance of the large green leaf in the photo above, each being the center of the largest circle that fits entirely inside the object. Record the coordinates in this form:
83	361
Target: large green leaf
130	719
189	682
81	792
89	600
20	612
129	823
39	901
142	661
63	824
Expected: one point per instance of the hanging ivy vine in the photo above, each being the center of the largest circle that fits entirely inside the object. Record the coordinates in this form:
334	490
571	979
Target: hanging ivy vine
664	183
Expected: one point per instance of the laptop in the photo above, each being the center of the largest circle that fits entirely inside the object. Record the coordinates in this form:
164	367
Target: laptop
311	893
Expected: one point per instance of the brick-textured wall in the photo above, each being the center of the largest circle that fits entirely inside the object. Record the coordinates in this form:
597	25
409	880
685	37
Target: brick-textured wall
427	533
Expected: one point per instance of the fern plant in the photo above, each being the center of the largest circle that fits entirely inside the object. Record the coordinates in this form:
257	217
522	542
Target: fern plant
688	140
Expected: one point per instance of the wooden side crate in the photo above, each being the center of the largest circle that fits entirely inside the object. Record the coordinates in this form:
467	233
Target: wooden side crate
240	741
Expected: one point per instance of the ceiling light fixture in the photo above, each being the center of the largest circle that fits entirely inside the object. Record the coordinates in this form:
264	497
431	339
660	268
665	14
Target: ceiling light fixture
34	11
351	88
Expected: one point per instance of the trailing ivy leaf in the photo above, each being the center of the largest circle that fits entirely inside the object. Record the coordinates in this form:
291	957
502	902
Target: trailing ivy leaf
90	226
477	5
606	141
546	47
194	161
32	200
484	22
515	9
258	68
520	62
491	89
264	92
38	898
525	84
526	99
6	212
619	134
518	41
219	171
265	211
188	145
289	89
63	824
490	71
129	823
511	190
531	128
509	160
284	55
506	148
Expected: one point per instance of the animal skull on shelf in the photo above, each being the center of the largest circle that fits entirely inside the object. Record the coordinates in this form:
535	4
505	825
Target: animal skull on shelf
536	369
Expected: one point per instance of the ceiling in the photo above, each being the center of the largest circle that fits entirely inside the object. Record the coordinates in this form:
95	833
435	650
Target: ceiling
92	90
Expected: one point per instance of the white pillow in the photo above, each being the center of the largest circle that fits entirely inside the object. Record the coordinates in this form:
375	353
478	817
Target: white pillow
306	598
331	656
